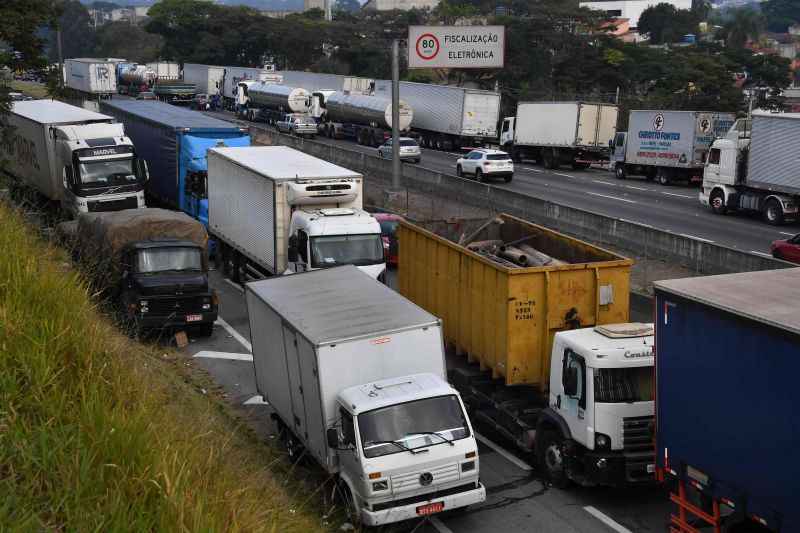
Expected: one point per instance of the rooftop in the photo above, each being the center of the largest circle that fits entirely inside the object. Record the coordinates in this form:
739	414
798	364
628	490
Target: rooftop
55	112
393	391
167	115
284	163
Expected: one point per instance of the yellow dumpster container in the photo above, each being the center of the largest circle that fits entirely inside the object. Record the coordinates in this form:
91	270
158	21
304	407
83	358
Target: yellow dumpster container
503	317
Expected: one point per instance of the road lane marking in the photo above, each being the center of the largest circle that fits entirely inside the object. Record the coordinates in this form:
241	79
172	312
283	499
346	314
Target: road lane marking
224	355
634	222
760	253
787	233
234	284
256	400
636	188
605	182
235	334
676	194
612	197
695	237
607	520
532	169
440	527
507	455
565	175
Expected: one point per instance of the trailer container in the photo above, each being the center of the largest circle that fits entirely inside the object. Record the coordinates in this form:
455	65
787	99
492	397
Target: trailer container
165	70
234	75
206	78
90	76
367	119
727	424
174	141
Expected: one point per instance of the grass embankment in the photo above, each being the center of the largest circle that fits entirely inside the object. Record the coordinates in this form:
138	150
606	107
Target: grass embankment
36	90
98	433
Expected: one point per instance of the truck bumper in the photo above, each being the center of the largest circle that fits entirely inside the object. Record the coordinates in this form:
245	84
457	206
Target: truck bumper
617	469
157	322
407	511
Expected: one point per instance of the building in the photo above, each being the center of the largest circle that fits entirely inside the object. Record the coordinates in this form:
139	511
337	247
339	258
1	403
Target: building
631	9
402	5
621	29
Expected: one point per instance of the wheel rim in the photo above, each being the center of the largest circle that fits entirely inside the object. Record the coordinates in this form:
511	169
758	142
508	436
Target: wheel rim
772	213
553	459
716	202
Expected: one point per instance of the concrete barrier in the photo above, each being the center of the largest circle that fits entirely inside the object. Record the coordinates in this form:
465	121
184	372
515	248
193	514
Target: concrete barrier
640	239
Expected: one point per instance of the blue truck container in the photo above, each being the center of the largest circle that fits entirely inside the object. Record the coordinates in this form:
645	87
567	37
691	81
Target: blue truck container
174	141
728	399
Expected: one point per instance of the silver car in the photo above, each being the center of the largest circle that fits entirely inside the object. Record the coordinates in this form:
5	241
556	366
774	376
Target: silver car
409	150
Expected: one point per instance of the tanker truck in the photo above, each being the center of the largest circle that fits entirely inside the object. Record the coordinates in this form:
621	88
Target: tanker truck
135	79
257	101
367	119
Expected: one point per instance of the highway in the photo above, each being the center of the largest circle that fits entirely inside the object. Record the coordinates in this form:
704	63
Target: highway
673	208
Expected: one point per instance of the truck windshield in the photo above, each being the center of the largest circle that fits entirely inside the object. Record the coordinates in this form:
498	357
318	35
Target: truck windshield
411	425
333	250
109	173
151	260
623	385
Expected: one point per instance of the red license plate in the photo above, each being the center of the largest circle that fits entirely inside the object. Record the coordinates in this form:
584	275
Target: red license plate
194	318
431	508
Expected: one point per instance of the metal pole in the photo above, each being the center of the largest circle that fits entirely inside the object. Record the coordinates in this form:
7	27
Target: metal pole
395	115
60	57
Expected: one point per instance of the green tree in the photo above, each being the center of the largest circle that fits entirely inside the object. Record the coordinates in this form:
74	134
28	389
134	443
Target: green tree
742	25
122	39
780	14
664	23
77	33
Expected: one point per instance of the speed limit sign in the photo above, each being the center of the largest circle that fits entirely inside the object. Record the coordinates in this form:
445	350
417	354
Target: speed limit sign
427	46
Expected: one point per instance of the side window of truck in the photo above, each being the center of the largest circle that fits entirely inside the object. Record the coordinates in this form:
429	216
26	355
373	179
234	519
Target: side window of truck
713	156
348	430
575	369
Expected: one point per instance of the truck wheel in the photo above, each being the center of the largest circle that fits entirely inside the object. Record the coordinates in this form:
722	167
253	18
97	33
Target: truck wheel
459	172
345	497
663	177
773	212
551	458
619	171
717	202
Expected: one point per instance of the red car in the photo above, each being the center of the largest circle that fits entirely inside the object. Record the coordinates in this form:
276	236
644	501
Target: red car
788	249
389	223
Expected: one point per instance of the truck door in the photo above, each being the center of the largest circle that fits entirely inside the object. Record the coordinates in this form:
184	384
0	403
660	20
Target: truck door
619	146
507	133
573	399
298	421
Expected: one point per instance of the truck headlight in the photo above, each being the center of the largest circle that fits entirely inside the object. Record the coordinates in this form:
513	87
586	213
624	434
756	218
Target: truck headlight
468	466
602	442
144	306
380	485
206	307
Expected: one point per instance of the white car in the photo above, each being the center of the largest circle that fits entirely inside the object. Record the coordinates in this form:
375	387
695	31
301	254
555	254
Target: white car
409	150
484	164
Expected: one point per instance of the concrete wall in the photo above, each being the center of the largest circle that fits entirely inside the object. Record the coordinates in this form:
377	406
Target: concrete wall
640	239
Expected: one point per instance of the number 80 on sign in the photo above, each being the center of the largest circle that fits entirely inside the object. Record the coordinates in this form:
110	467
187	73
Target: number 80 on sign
427	46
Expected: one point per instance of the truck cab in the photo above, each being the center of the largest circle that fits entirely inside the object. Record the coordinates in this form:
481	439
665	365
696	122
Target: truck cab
328	237
405	448
507	132
598	426
164	284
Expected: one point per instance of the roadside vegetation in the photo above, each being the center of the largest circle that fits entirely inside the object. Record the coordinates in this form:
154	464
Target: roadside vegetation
98	433
35	90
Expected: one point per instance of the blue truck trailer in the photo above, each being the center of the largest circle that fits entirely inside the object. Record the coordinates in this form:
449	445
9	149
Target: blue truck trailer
727	400
174	141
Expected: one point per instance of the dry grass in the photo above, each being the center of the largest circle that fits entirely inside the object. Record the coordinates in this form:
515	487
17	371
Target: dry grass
98	433
36	90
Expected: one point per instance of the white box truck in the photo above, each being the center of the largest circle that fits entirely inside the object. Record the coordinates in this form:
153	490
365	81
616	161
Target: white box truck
556	133
91	76
234	75
206	78
667	145
276	210
165	70
357	380
756	168
78	159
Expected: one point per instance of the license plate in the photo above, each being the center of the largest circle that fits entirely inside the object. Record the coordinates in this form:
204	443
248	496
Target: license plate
194	318
651	468
431	508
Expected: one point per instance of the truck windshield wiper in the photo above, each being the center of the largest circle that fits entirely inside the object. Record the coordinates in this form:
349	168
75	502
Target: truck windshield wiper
396	443
438	434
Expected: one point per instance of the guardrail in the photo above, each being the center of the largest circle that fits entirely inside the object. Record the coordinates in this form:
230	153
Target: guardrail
640	239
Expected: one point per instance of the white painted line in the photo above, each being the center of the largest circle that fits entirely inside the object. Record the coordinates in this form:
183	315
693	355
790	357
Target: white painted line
607	520
565	175
440	527
695	237
634	222
760	253
234	285
507	455
605	182
225	355
256	400
787	233
235	334
636	188
612	197
676	194
532	169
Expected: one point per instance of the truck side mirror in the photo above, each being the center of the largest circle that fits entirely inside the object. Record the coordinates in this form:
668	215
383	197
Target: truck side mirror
332	436
144	172
611	143
292	251
571	382
68	178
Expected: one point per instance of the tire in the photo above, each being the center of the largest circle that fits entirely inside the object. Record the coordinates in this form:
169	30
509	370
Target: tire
619	171
663	177
345	497
479	177
717	202
380	154
773	212
508	179
551	458
459	172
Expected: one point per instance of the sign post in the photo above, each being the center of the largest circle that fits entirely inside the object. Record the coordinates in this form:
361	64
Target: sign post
456	46
395	115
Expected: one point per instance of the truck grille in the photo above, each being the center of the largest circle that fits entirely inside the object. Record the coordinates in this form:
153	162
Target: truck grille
176	306
410	481
637	433
97	206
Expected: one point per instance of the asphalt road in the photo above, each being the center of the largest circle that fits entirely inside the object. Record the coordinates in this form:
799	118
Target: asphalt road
673	208
517	499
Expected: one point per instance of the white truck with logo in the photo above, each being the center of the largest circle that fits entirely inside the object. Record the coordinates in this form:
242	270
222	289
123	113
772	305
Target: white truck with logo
91	77
277	210
358	383
78	159
667	145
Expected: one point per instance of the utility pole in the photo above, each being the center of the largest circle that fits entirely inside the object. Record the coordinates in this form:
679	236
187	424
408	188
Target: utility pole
395	115
60	58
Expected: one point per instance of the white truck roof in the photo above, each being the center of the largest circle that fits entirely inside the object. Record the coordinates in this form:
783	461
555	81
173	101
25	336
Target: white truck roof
614	345
337	304
394	391
55	112
281	163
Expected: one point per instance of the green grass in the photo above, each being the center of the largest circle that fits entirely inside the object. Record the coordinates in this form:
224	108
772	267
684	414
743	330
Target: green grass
98	433
36	90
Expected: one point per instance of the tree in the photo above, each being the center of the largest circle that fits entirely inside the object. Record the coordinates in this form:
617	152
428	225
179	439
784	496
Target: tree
666	24
122	39
347	6
77	34
780	14
742	25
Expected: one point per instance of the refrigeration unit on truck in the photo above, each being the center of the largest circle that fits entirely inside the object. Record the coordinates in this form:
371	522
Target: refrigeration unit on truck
447	117
174	140
258	101
755	168
92	77
366	119
153	263
556	368
667	145
560	133
277	210
81	160
726	400
206	78
358	383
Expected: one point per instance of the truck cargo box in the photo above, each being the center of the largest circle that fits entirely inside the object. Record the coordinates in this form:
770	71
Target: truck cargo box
565	124
505	318
207	78
91	76
727	361
233	75
165	70
774	141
